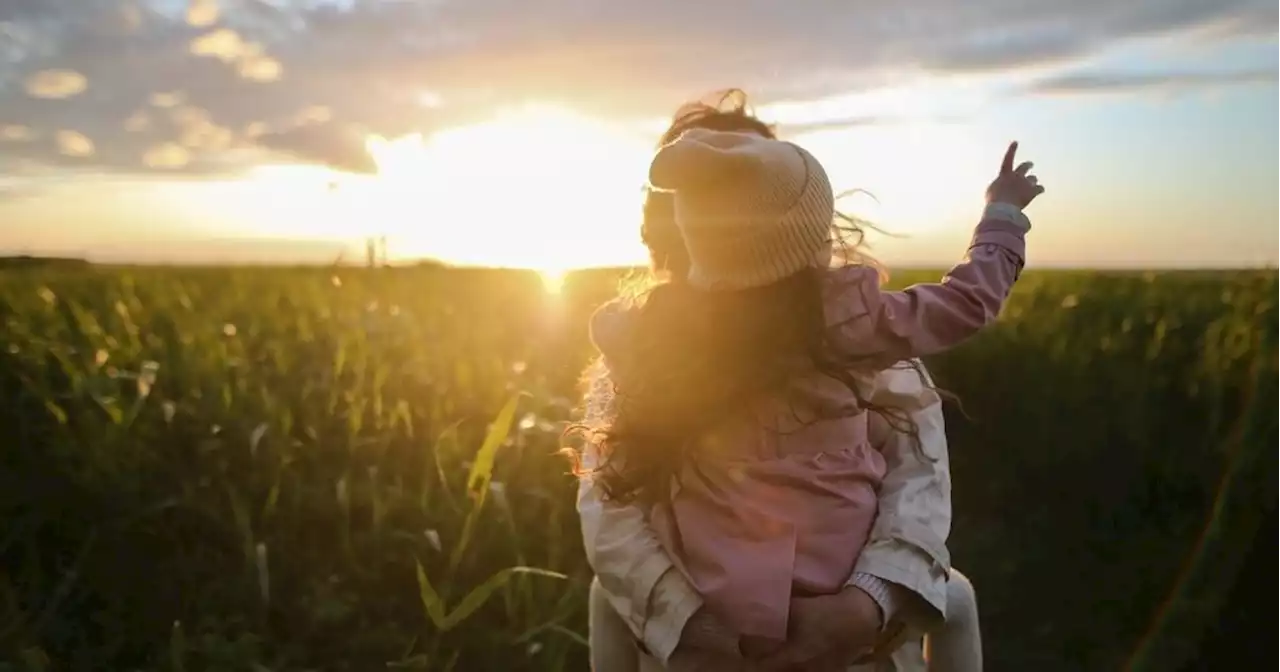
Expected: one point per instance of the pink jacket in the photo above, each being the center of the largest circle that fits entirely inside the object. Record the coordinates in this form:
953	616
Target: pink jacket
786	508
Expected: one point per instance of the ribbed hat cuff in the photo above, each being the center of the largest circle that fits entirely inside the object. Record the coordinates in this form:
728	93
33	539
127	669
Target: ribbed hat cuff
757	260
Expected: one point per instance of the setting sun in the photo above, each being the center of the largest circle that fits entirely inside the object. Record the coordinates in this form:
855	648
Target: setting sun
553	280
536	187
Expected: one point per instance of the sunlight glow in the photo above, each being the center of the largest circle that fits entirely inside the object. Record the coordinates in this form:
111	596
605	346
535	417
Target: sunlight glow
544	188
925	177
536	187
553	280
533	187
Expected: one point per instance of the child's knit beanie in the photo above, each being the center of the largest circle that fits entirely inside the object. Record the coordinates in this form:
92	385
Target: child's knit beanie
751	210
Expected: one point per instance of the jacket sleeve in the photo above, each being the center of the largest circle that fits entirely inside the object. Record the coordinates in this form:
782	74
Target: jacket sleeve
907	545
638	577
885	327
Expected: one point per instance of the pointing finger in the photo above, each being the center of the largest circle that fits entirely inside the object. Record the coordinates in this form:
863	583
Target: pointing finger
1007	165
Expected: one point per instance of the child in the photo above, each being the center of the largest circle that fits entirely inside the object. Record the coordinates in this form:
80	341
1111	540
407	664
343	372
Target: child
742	416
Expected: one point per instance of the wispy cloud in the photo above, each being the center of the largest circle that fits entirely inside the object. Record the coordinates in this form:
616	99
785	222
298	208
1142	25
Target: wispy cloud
844	123
338	147
207	85
55	84
1094	83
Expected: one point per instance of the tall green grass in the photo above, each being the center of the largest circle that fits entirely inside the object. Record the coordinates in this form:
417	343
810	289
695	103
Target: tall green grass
306	469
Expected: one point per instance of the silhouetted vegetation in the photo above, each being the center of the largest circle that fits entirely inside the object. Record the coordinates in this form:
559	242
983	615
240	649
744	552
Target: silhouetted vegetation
28	261
338	469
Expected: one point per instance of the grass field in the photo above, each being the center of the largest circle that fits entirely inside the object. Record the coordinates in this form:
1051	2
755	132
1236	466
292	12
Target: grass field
320	469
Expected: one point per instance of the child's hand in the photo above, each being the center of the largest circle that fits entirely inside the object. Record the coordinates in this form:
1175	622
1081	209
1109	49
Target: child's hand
1015	186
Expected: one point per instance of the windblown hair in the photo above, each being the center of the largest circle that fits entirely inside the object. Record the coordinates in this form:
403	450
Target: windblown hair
691	358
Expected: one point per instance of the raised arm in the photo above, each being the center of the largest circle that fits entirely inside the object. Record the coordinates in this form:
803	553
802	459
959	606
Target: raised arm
884	327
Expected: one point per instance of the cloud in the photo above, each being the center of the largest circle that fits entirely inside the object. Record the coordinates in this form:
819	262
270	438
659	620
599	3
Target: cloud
1088	83
56	84
16	133
845	123
166	99
232	81
247	57
73	144
168	155
326	144
202	13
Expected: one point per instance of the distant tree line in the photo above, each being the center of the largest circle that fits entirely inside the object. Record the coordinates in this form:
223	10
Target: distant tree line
30	261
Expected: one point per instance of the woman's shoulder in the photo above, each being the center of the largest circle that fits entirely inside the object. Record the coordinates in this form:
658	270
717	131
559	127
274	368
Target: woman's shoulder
905	385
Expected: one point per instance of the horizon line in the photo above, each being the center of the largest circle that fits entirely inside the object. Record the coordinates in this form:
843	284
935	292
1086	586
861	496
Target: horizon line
7	260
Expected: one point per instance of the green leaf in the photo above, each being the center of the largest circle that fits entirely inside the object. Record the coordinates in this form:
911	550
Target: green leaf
482	474
481	594
431	602
177	647
273	498
403	416
444	621
57	412
482	466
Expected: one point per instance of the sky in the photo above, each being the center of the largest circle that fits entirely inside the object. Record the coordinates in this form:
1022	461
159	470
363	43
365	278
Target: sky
518	132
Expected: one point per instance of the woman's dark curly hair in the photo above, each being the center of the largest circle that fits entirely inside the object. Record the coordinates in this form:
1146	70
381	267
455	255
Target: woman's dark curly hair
692	358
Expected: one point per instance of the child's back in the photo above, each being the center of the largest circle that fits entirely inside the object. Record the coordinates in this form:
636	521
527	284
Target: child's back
776	495
781	494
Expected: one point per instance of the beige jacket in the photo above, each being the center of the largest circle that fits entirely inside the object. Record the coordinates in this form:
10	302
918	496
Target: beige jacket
907	546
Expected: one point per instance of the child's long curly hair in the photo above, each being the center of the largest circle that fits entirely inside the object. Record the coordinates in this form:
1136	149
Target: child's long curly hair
692	358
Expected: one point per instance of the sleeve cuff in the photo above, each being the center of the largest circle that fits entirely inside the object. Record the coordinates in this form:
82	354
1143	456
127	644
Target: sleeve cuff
644	583
920	576
708	632
1002	233
1007	212
881	592
662	633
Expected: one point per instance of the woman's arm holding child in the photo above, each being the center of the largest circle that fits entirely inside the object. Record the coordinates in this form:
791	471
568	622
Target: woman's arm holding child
907	546
635	571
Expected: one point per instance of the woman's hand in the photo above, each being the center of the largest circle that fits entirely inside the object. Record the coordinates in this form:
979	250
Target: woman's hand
1015	186
827	632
